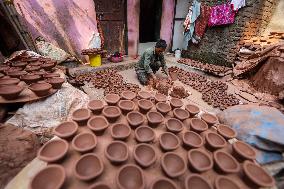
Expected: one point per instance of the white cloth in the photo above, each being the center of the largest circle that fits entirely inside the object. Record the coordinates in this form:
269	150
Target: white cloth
238	4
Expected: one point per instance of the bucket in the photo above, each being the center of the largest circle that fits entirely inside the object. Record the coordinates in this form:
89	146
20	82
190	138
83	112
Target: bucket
95	60
177	54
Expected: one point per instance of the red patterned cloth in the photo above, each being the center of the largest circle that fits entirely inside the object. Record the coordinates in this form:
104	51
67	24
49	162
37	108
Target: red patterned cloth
221	15
202	20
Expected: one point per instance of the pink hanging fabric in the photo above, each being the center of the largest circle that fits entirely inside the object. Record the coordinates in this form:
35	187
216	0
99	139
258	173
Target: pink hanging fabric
221	15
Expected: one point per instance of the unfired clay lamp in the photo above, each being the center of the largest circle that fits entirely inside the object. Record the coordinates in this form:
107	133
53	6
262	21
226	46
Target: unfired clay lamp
100	185
176	103
169	141
173	165
198	125
192	109
56	82
154	118
84	142
243	151
66	129
144	134
126	106
98	124
135	118
225	162
174	125
163	183
112	99
196	181
145	105
130	176
144	155
192	140
128	95
181	114
226	131
160	98
9	81
10	92
224	182
163	107
199	160
120	131
30	78
40	89
144	95
112	113
214	141
209	119
96	106
81	116
117	152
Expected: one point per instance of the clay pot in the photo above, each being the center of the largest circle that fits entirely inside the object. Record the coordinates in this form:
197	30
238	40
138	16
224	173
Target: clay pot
144	134
40	73
209	119
174	125
96	106
160	98
16	74
192	140
154	118
88	167
163	183
198	125
19	64
169	141
192	109
144	95
176	103
128	95
48	66
163	108
126	106
35	64
84	142
30	78
173	165
196	181
40	89
181	114
135	119
199	160
98	124
51	75
214	141
56	82
81	116
224	182
52	176
112	99
10	92
117	152
243	151
226	131
120	131
145	105
4	68
257	175
225	163
112	113
9	81
130	176
66	129
32	68
100	185
53	151
144	155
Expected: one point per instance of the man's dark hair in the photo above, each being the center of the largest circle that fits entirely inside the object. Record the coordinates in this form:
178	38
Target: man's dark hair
161	44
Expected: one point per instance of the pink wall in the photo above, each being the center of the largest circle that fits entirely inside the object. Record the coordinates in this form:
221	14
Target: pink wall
133	12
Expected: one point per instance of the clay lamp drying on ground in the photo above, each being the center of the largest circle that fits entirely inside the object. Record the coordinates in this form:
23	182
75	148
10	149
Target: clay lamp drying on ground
32	68
174	125
144	155
225	162
192	109
35	64
181	114
199	160
243	151
126	106
226	131
16	74
52	176
144	95
30	78
117	152
173	165
196	181
214	141
19	64
225	182
4	68
48	66
256	176
14	69
10	92
53	151
100	185
128	95
192	140
88	167
144	134
41	73
66	129
84	142
163	183
40	89
9	81
112	99
145	105
130	176
56	82
198	125
112	113
96	106
120	131
135	119
176	103
169	141
51	75
81	116
209	119
98	124
163	108
160	98
154	118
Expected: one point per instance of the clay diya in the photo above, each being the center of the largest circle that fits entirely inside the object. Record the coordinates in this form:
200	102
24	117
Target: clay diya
48	66
130	176
128	95
196	181
144	95
88	167
35	64
199	160
257	175
145	105
40	89
96	106
181	114
120	131
52	176
19	64
163	183
32	68
173	165
174	125
100	185
160	98
126	106
53	150
112	113
198	125
192	140
112	99
226	131
117	152
154	118
163	108
243	151
144	155
214	141
81	116
9	81
224	182
176	103
51	75
98	124
135	119
192	109
10	92
16	74
56	82
225	162
30	78
66	129
209	119
84	142
169	141
4	68
144	134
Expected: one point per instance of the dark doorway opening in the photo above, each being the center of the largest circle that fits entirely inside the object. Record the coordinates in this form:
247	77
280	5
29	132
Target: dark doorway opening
150	20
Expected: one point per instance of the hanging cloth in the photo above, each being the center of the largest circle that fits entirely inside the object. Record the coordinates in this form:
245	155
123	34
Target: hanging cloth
202	21
237	4
221	15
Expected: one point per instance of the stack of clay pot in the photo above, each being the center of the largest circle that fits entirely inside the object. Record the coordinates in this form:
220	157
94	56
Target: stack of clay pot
131	141
179	92
93	51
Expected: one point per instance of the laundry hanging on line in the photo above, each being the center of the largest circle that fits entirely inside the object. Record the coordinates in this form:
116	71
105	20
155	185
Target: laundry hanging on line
221	15
237	4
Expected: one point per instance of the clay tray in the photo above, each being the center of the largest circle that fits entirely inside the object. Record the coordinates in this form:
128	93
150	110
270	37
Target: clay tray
151	173
26	95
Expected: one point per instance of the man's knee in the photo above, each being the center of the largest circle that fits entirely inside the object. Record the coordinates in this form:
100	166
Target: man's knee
143	79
